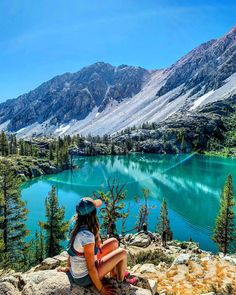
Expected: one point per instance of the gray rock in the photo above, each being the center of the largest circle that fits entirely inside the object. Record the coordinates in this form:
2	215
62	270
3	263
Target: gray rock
182	259
61	258
153	286
51	282
148	268
48	263
136	268
6	288
140	240
230	259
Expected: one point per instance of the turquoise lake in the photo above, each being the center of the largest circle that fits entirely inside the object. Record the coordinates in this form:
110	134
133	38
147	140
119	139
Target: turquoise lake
191	185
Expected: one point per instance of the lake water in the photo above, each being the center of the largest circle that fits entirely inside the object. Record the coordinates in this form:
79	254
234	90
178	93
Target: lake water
191	185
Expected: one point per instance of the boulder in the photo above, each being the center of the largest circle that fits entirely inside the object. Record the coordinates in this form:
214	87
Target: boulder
136	268
51	282
140	240
63	257
128	237
148	268
6	288
182	259
153	286
231	259
48	263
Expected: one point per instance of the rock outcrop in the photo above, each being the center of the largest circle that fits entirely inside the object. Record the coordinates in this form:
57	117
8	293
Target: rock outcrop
50	282
185	131
179	268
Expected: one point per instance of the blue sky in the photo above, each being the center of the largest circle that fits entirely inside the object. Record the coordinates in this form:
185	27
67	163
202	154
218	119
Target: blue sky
41	39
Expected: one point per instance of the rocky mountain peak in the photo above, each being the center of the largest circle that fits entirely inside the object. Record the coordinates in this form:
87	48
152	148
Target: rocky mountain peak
232	32
102	98
73	95
204	68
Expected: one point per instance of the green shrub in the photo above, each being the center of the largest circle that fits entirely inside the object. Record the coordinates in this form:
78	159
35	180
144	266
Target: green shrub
154	257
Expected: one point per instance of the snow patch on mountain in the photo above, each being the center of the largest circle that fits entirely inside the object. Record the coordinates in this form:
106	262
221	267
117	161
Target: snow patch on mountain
200	100
62	129
4	125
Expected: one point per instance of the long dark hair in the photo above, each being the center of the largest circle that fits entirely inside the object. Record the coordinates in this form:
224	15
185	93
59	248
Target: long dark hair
91	221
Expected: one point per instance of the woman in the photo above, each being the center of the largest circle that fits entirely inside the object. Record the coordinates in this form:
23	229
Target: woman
89	260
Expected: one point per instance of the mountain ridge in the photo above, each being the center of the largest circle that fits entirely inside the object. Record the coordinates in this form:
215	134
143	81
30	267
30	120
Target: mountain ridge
102	98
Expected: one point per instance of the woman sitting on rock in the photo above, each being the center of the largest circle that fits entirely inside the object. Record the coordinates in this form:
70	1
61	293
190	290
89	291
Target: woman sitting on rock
89	260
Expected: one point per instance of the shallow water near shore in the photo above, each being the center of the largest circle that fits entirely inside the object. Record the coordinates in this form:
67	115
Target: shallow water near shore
191	185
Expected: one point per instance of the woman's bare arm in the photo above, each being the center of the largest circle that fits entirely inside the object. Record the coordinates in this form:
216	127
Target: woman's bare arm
90	259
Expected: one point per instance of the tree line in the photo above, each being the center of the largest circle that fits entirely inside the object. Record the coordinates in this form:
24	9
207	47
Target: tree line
56	150
59	149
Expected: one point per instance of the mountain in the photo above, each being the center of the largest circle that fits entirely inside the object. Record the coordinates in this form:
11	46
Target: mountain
102	98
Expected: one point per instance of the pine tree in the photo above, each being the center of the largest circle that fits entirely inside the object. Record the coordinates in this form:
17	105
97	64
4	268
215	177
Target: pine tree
2	257
14	145
41	246
224	232
113	150
143	211
28	256
22	148
38	247
55	226
4	147
65	155
163	226
13	214
51	154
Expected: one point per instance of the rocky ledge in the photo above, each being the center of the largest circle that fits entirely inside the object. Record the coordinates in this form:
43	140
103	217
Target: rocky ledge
44	279
180	268
50	282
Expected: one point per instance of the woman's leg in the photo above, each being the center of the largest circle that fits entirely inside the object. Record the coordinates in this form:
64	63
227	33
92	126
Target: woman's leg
108	246
116	259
